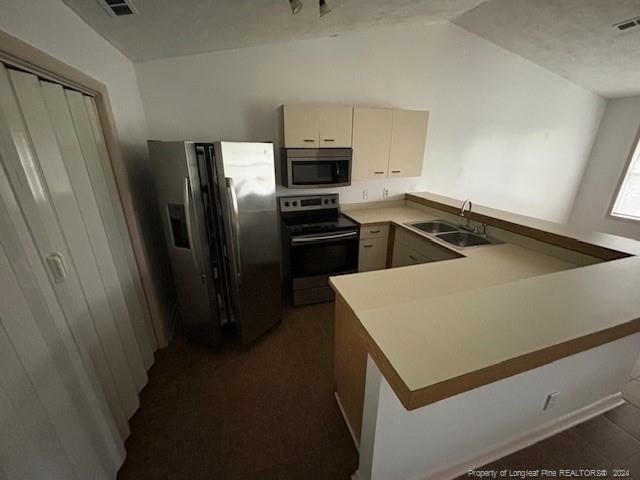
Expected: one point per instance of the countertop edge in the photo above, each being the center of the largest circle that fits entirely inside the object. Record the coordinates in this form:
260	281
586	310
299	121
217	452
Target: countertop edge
413	399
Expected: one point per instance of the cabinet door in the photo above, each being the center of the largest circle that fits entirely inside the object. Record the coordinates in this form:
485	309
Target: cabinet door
403	256
373	254
374	231
335	126
424	246
408	138
301	126
371	142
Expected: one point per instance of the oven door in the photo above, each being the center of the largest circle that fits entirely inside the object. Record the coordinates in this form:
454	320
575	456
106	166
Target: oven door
314	173
322	255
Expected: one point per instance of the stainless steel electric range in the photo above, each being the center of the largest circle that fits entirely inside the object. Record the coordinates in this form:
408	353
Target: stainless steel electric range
318	242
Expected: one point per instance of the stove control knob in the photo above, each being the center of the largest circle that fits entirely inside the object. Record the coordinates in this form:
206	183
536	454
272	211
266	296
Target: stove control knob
326	200
295	204
286	204
333	200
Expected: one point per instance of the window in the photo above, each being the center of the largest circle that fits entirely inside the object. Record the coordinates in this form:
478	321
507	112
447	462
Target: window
627	204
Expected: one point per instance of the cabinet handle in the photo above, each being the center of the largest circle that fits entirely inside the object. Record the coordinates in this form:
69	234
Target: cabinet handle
367	246
308	140
56	265
413	258
378	173
329	139
374	231
395	171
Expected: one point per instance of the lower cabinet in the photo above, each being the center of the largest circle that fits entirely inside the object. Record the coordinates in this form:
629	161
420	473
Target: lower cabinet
410	248
403	256
373	254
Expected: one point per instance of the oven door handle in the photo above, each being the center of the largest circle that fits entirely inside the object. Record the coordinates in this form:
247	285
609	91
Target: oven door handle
299	240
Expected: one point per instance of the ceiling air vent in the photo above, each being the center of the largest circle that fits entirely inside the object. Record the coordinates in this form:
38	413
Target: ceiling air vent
627	24
118	8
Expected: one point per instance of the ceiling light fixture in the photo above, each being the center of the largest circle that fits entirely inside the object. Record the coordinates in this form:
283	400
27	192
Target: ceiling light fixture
324	8
296	6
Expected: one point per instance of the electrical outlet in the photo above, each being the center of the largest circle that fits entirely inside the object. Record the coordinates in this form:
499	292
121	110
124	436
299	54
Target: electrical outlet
551	401
385	192
365	194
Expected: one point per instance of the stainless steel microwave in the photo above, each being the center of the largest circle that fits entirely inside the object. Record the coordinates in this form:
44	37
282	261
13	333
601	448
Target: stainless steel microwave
316	167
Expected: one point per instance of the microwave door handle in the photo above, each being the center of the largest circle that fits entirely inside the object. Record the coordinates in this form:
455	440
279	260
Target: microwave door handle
235	226
188	214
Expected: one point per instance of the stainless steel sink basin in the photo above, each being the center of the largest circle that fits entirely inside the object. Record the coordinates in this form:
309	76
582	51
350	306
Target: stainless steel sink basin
434	226
463	239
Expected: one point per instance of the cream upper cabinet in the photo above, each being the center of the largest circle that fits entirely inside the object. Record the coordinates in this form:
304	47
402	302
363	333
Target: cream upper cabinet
317	126
335	126
385	142
301	126
371	142
408	137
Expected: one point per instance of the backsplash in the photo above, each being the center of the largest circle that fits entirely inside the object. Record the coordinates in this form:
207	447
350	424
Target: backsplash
369	191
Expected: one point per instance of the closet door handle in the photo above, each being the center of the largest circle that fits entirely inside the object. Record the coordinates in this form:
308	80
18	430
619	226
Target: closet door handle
55	262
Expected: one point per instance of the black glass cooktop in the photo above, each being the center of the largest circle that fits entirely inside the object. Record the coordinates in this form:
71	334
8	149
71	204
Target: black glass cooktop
303	226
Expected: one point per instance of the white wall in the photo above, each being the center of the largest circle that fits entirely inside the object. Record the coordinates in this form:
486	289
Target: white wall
55	29
471	429
503	131
611	149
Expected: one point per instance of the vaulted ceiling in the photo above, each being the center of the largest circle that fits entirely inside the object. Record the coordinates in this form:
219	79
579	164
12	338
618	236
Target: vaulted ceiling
167	28
573	38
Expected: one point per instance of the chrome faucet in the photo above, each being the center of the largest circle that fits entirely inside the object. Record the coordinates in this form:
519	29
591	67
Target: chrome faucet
463	209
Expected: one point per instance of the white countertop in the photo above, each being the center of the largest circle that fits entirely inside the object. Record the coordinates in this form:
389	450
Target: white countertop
606	240
436	322
481	266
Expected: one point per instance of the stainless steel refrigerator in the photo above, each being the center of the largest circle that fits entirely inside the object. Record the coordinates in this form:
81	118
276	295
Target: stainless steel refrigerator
219	213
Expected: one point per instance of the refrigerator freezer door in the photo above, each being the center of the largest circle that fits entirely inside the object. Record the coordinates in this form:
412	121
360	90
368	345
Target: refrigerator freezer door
178	190
214	223
246	173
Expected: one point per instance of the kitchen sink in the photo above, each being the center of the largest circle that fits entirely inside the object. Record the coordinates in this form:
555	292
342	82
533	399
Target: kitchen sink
463	239
434	226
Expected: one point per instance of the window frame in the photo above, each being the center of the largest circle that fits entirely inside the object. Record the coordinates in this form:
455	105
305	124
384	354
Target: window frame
635	146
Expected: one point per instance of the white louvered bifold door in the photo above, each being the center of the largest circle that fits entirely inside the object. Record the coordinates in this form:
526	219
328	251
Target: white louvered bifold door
49	401
73	310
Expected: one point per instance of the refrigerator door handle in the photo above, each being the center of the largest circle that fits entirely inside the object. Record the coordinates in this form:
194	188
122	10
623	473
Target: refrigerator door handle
188	213
235	224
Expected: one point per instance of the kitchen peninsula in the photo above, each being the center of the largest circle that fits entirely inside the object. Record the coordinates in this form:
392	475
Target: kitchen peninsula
441	367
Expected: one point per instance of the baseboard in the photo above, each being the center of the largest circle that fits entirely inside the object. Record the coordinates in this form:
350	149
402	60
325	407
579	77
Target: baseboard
346	420
529	438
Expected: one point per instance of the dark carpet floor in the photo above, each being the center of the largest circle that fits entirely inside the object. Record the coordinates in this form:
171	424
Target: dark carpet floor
263	412
267	412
